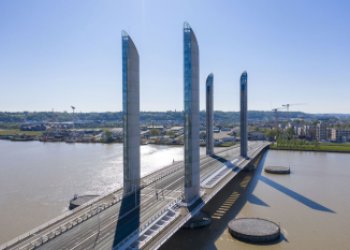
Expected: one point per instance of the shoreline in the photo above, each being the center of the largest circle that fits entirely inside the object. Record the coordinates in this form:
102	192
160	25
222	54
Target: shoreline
170	145
312	150
98	142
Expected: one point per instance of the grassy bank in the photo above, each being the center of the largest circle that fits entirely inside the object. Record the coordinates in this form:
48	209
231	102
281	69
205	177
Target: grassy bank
226	144
327	147
19	132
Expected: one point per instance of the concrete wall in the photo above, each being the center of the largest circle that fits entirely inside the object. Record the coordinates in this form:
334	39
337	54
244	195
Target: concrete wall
131	114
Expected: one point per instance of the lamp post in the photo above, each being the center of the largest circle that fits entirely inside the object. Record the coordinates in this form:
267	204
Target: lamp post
73	109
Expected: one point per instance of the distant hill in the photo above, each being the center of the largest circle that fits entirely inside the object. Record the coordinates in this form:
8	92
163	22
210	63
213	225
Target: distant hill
169	117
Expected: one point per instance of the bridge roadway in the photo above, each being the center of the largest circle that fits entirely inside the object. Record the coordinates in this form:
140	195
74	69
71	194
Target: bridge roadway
111	220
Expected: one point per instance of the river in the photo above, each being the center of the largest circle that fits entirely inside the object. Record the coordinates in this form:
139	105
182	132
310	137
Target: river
311	205
38	179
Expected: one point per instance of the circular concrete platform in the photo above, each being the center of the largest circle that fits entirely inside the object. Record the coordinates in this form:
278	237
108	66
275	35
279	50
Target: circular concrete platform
277	169
255	230
79	200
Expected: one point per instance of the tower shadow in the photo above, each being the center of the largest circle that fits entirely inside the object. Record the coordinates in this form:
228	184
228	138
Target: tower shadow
224	207
296	196
128	218
226	162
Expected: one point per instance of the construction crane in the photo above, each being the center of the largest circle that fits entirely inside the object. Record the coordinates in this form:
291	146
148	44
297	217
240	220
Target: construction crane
275	110
286	106
73	109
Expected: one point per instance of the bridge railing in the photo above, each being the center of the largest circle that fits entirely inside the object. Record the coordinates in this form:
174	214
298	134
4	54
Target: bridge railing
159	174
61	217
134	235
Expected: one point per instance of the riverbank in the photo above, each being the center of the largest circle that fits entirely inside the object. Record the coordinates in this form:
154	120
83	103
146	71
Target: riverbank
331	148
17	135
92	136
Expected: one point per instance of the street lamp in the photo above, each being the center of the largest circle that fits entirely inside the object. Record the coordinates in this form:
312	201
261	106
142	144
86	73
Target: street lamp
73	109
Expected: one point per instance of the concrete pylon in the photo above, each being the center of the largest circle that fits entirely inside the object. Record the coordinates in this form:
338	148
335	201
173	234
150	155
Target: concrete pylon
243	114
209	114
131	115
191	110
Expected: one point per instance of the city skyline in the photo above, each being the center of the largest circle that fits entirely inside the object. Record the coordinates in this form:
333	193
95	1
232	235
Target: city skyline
54	55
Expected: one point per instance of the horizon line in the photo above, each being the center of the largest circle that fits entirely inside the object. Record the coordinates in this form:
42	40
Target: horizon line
177	111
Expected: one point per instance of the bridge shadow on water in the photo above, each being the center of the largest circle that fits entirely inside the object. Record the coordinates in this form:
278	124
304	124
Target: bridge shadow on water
128	218
224	207
296	196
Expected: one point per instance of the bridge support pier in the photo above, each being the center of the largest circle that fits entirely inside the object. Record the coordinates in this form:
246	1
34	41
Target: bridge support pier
209	114
243	114
191	119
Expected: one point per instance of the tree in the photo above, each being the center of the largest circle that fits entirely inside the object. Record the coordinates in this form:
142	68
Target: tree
107	136
154	132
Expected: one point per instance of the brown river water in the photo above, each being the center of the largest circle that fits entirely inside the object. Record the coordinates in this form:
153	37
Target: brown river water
312	205
37	179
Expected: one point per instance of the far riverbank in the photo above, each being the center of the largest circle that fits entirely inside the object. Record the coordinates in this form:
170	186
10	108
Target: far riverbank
107	136
328	147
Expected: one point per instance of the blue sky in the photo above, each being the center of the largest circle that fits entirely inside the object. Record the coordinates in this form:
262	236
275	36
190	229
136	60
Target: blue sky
56	53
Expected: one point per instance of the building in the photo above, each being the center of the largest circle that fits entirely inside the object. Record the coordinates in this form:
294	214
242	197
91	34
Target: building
223	137
191	112
33	126
340	135
209	114
243	113
177	130
321	132
256	136
131	114
160	128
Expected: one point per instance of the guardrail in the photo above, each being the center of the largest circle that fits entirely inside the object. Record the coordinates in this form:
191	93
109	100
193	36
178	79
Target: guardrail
172	169
68	214
70	224
125	243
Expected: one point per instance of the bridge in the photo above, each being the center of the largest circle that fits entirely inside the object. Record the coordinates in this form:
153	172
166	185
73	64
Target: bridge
159	213
147	211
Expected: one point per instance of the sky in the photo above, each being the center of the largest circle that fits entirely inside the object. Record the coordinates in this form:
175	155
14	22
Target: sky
58	53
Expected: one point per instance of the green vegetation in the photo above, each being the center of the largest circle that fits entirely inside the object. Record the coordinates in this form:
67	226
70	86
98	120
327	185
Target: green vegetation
226	144
19	132
154	132
113	119
108	137
303	145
